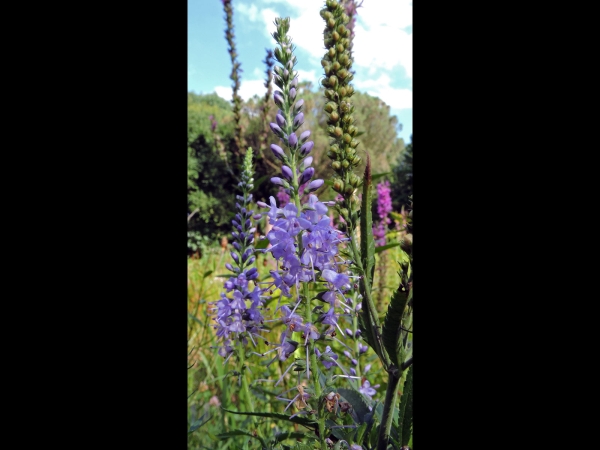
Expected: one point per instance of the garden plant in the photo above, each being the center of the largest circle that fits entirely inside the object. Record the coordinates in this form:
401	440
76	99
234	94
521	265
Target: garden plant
300	321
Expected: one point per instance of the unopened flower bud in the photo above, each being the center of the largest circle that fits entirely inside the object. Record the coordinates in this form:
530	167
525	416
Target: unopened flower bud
293	140
278	98
304	136
306	175
298	120
306	148
278	152
287	173
280	120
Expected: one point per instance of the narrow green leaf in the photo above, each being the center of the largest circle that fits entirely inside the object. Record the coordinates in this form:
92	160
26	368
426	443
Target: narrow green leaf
385	247
207	273
299	420
234	433
198	423
292	435
377	176
367	244
405	410
360	433
392	322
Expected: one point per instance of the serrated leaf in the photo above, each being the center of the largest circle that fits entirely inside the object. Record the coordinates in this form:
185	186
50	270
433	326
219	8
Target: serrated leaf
385	247
405	410
359	403
364	324
392	321
299	420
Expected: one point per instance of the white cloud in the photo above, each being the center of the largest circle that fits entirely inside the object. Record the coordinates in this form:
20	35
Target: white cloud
249	11
247	90
381	41
395	98
307	75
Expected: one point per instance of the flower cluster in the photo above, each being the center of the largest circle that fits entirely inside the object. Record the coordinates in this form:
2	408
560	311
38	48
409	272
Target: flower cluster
235	75
239	311
303	242
384	207
337	65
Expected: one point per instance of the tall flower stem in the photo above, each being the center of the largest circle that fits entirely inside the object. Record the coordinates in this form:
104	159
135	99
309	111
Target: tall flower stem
390	401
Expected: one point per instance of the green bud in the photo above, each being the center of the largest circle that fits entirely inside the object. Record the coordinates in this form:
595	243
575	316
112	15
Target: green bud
342	91
334	117
354	180
343	74
343	31
333	81
331	106
331	22
348	190
354	143
345	164
347	138
339	48
336	36
352	130
330	154
330	94
336	66
338	186
336	165
338	132
331	52
356	161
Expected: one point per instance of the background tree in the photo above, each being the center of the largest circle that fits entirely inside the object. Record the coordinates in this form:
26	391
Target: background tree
402	187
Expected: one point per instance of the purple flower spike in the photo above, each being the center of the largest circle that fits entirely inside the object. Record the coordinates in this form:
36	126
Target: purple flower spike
287	173
293	93
277	180
306	148
293	141
294	82
280	120
307	162
306	175
298	120
304	136
278	98
277	151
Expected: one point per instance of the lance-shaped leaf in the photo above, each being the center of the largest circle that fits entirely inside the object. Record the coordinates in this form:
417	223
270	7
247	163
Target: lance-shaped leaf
234	433
367	244
299	420
391	325
405	410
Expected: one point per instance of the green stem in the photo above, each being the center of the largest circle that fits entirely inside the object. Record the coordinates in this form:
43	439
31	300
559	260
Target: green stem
245	388
388	408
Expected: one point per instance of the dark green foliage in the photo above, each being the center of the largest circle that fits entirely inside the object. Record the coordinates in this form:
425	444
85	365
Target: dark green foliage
402	185
405	409
391	325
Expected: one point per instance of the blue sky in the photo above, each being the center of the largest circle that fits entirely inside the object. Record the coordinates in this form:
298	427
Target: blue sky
382	48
